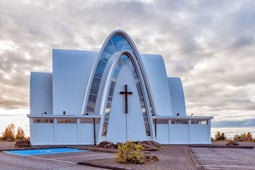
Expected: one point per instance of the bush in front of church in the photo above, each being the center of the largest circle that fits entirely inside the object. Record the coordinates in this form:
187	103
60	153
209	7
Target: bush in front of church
130	153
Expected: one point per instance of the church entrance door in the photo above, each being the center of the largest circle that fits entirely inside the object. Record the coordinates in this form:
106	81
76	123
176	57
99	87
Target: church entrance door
126	120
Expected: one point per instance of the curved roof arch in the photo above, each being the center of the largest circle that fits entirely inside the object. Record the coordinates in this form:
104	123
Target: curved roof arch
117	41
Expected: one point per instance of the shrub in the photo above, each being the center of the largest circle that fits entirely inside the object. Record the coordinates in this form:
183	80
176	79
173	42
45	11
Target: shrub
243	137
130	152
220	136
20	134
9	133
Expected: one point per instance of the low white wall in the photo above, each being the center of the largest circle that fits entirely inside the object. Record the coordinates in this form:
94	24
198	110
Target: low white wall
86	133
62	133
183	133
179	134
65	134
162	133
83	133
199	134
42	134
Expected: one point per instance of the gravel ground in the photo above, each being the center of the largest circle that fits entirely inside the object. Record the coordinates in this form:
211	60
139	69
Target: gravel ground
213	158
55	161
171	157
178	157
6	145
15	162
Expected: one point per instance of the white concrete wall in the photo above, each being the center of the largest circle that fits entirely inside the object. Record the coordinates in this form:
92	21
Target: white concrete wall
199	134
156	76
179	133
65	133
40	93
62	133
41	134
86	133
183	133
177	96
162	133
71	71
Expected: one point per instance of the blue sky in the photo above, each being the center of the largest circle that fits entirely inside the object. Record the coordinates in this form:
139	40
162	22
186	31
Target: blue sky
209	44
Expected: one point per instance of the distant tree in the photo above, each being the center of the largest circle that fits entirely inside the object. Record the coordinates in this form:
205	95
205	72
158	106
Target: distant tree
249	136
220	136
20	134
243	137
9	133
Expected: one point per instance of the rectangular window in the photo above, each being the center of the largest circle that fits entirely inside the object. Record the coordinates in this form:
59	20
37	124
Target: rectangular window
91	103
88	120
201	122
104	129
162	121
95	85
112	88
64	120
42	120
147	127
100	67
179	121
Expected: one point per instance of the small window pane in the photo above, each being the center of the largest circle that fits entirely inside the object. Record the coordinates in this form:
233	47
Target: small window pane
88	120
104	133
162	121
95	85
201	122
138	86
42	120
119	42
112	86
179	121
63	120
108	51
100	68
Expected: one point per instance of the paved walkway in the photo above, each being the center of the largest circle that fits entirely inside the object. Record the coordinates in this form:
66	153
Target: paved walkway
225	158
59	162
171	157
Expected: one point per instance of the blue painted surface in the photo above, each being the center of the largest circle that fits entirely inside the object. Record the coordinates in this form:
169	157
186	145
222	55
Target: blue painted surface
44	151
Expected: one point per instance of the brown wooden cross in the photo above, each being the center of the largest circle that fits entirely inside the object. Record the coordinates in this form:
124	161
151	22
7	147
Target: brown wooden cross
126	93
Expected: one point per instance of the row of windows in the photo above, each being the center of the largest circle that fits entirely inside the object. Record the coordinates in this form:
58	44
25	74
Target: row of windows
106	119
179	121
65	120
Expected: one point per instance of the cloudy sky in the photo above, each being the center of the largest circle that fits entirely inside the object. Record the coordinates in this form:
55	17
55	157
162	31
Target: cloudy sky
209	44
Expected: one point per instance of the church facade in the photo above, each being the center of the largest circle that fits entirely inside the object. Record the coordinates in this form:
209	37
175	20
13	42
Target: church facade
113	95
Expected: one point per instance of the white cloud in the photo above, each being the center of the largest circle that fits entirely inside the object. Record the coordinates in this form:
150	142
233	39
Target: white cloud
209	44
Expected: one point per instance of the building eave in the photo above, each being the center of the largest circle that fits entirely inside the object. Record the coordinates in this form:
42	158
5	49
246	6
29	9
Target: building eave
183	117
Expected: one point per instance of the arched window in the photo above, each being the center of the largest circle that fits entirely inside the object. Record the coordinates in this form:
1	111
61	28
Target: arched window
114	44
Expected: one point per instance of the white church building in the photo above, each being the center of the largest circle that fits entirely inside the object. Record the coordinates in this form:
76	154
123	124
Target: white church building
116	95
